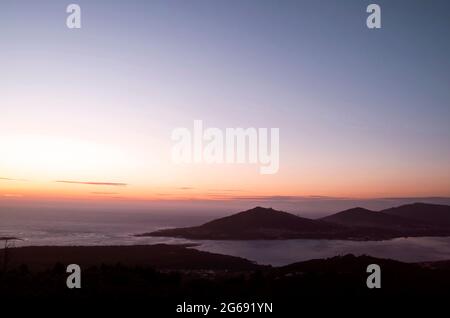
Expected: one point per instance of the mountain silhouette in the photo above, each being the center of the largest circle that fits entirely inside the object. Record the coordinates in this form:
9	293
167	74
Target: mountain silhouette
360	217
435	214
353	224
256	223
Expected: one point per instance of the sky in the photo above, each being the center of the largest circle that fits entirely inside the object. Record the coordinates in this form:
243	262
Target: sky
88	113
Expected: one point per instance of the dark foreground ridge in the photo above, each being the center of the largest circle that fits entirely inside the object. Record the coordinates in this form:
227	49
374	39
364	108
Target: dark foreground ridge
158	256
161	276
417	219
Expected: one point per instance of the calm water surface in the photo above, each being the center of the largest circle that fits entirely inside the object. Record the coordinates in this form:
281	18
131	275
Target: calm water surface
120	229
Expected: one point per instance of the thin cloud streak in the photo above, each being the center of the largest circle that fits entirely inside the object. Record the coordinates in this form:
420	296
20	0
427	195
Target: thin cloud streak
11	179
114	184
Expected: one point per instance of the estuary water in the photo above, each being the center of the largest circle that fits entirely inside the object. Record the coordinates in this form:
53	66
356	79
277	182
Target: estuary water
120	229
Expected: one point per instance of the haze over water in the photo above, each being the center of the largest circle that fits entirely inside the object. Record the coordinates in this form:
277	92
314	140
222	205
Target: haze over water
118	228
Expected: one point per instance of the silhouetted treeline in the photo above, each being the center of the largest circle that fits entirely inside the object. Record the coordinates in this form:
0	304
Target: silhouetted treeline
339	281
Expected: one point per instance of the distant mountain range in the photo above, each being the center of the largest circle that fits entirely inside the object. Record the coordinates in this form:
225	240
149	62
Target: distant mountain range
428	213
418	219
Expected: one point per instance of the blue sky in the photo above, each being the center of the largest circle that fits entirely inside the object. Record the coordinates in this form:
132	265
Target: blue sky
361	112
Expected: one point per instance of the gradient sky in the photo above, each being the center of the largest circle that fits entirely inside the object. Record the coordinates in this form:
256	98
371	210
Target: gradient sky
362	113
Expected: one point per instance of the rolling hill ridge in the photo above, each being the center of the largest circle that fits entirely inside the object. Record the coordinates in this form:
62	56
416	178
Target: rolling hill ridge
260	223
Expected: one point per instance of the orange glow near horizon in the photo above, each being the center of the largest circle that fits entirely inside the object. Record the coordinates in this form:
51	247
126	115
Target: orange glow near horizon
109	189
46	166
96	107
42	145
